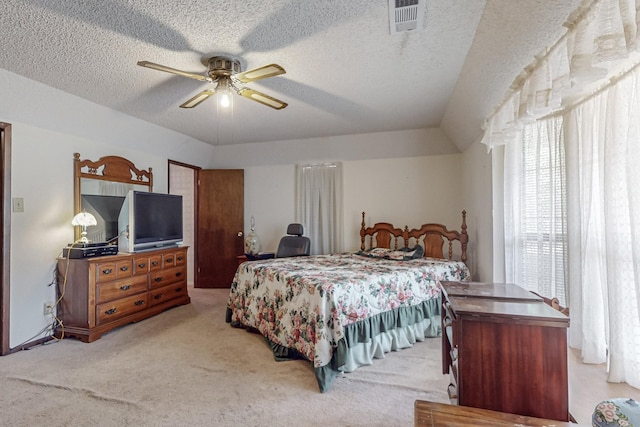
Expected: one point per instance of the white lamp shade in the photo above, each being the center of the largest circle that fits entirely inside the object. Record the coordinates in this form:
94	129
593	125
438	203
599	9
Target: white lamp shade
84	219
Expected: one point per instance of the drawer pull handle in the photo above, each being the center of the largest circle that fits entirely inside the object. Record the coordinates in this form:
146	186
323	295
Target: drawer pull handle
125	287
154	263
142	265
180	258
111	311
158	296
178	289
169	259
107	271
138	303
179	274
158	279
124	268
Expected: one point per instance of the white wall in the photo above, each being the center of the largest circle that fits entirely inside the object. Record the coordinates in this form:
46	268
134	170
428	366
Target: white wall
399	191
48	126
477	199
390	175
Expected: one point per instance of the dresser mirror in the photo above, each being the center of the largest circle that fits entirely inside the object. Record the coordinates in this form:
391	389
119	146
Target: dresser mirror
99	187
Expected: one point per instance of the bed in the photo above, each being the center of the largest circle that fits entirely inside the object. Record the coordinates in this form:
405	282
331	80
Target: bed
340	311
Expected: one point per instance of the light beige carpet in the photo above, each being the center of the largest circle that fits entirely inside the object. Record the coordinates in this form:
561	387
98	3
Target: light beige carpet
187	367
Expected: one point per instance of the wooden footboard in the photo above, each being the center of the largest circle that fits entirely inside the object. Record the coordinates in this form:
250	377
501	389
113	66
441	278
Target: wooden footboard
430	236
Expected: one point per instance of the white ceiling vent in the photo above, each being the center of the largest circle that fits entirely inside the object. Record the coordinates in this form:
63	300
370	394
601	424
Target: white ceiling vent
405	15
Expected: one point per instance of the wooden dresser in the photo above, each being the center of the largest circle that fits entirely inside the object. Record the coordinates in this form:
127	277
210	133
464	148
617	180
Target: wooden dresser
505	350
103	293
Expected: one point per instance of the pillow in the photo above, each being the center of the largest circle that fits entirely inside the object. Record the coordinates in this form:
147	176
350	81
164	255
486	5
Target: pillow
403	254
377	252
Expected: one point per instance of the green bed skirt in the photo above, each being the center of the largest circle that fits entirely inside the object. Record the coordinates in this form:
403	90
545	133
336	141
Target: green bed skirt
369	338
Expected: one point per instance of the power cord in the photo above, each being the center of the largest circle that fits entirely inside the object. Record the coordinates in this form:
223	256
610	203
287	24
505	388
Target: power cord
57	322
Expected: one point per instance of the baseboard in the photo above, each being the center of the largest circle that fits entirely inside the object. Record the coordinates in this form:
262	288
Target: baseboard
28	345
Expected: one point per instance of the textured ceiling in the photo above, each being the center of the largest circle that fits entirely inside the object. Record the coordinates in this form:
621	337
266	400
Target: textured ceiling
345	73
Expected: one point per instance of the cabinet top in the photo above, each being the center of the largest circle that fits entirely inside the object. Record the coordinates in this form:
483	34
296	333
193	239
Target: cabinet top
528	311
500	291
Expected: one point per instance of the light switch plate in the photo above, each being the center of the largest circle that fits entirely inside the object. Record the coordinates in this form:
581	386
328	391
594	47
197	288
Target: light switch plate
18	204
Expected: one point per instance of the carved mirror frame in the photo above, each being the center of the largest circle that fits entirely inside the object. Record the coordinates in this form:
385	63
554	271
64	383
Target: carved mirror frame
108	168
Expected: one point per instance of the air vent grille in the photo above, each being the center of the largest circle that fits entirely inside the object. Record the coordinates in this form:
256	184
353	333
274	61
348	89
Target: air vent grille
405	15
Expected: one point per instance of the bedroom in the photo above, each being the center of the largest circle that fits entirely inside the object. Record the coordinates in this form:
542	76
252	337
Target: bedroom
70	124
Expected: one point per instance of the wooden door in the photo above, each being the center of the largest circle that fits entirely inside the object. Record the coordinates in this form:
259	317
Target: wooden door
220	225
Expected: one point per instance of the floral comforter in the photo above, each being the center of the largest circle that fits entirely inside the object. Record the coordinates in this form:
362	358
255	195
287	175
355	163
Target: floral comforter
304	303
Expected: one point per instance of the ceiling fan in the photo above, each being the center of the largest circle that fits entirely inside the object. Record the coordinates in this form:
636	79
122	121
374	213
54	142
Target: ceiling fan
226	74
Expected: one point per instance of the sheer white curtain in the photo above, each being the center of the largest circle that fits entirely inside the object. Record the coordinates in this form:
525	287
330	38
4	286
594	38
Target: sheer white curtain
603	159
534	214
319	205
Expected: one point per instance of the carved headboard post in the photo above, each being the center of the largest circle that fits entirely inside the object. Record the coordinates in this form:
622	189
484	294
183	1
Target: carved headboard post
362	237
464	237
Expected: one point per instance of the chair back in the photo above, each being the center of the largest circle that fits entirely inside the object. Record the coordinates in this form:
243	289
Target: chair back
294	244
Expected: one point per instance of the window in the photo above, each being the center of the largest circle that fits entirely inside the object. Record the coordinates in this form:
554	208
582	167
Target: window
535	210
319	205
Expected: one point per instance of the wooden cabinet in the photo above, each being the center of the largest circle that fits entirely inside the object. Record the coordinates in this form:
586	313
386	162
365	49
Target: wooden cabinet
505	350
102	293
434	414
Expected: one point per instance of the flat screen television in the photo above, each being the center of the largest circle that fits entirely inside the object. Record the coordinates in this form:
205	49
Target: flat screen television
149	221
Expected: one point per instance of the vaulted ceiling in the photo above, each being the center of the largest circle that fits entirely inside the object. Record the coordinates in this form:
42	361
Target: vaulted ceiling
345	73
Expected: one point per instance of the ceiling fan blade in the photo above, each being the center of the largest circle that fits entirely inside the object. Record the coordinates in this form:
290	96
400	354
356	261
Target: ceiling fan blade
260	73
202	96
260	97
159	67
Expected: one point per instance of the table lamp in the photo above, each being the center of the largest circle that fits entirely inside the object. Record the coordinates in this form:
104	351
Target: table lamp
83	219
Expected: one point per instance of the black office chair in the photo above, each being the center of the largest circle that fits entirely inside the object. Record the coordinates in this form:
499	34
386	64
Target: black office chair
294	244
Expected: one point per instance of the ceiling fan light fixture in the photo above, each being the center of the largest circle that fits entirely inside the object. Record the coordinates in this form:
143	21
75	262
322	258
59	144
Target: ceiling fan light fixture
224	92
225	73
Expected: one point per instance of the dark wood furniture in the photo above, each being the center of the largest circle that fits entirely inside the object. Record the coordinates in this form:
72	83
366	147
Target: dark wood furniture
99	294
442	415
505	350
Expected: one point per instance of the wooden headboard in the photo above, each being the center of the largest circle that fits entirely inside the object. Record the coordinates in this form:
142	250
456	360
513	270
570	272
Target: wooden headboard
430	236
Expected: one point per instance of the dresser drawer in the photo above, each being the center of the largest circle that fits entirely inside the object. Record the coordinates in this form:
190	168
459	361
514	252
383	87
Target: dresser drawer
165	293
117	289
168	260
111	311
113	270
181	258
141	265
155	262
165	277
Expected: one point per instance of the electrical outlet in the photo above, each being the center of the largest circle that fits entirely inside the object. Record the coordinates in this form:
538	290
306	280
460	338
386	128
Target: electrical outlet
47	308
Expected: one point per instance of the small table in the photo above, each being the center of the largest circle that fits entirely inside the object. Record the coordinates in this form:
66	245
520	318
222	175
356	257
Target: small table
260	256
443	415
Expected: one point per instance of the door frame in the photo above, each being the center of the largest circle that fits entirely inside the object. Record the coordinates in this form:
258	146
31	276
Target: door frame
196	169
5	236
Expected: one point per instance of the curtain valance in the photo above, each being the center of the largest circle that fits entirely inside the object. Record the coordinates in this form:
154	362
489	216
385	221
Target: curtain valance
601	42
